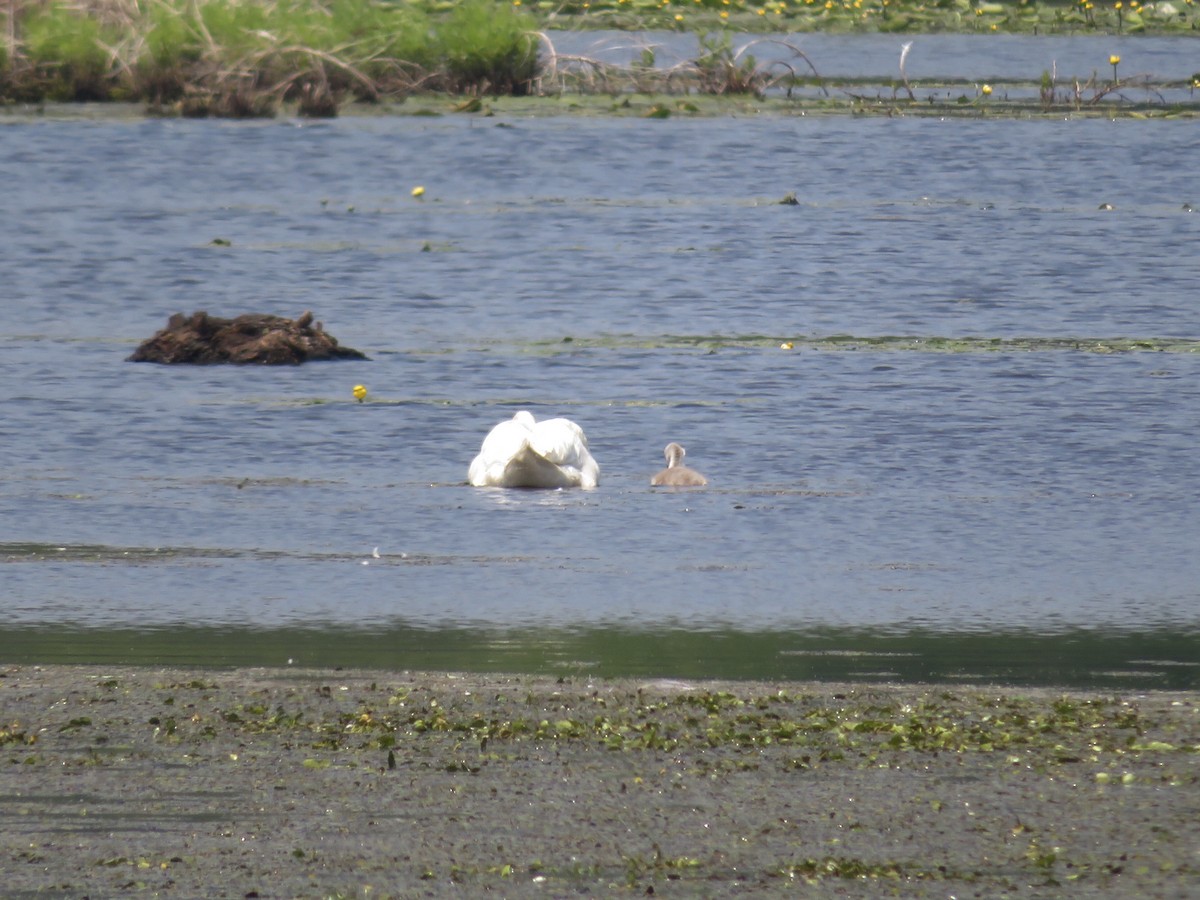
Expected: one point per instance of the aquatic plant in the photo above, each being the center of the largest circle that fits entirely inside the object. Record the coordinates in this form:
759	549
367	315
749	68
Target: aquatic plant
722	70
62	57
487	48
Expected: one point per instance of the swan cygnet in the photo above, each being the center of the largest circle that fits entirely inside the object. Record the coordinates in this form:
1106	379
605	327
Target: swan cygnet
676	473
524	453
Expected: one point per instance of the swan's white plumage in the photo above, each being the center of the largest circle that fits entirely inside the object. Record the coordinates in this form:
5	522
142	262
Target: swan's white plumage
523	452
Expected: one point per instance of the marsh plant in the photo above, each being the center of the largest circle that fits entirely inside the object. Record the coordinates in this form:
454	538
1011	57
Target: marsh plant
233	58
486	48
717	69
245	58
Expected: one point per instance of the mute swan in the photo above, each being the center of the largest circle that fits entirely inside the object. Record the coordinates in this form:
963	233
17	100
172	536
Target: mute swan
523	452
676	473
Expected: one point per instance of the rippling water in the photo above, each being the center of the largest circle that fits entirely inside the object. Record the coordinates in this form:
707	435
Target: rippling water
1023	511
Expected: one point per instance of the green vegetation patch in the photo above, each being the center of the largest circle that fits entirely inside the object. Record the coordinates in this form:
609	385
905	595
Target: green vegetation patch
248	59
858	730
221	57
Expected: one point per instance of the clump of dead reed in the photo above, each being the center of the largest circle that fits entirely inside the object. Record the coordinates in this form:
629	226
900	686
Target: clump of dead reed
717	69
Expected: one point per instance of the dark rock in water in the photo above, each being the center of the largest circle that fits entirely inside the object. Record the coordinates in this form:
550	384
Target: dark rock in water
201	339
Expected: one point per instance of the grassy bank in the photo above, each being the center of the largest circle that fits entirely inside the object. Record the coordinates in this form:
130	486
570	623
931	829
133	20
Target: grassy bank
249	57
223	57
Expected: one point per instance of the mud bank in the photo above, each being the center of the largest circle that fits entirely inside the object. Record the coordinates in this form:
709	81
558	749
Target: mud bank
286	783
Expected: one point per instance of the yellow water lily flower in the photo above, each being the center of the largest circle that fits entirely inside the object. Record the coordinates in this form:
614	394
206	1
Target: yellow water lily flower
1114	59
418	191
360	393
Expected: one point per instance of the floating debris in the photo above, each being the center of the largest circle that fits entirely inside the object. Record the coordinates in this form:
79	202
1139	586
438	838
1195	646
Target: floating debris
201	339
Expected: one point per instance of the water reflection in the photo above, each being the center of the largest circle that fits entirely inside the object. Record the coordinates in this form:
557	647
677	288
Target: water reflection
1153	659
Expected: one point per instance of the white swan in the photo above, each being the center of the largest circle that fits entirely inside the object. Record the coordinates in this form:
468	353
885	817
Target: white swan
676	473
523	452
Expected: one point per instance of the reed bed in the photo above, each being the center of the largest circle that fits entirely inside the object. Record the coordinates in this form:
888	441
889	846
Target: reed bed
231	58
247	58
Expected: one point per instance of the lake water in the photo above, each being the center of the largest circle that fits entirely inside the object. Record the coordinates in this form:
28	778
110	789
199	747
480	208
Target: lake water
951	57
1022	511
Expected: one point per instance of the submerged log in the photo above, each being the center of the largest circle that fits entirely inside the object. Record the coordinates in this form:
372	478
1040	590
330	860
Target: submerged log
254	338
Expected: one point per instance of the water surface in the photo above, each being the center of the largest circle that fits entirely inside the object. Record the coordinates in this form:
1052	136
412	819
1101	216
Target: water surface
1021	511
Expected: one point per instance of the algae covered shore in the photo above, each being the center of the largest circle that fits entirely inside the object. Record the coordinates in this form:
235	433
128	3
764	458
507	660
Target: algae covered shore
324	783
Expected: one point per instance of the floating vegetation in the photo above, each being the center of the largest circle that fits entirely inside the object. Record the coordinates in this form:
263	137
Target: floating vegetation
103	554
845	342
897	16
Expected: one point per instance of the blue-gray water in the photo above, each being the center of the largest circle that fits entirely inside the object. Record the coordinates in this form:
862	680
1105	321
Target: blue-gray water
956	57
1022	515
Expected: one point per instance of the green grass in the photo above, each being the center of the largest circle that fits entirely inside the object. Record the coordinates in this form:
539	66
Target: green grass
245	58
487	47
65	55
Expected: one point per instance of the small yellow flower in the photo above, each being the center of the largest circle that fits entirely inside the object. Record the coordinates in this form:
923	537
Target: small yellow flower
1114	59
678	17
786	345
360	393
418	191
986	90
724	14
1117	5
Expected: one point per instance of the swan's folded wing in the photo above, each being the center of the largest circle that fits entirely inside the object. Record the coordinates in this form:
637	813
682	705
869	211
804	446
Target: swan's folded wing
560	441
563	442
502	443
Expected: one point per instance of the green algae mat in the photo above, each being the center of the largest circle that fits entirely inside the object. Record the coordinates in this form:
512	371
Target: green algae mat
321	783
